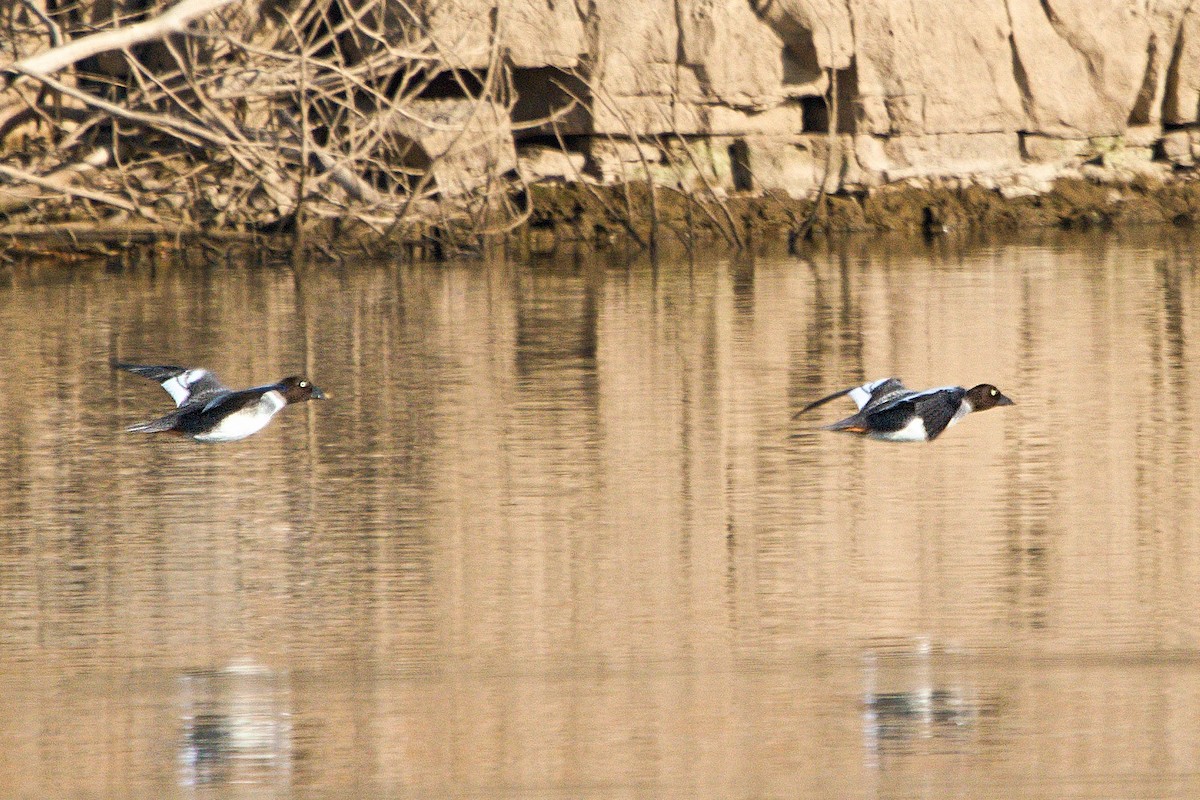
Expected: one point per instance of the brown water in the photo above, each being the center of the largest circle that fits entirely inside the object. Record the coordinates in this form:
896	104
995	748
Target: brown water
556	535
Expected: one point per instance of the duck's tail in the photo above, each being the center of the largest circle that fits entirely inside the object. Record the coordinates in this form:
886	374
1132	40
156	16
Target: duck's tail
155	425
847	425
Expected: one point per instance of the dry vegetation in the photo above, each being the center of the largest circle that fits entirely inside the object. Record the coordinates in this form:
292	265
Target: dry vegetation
347	118
213	114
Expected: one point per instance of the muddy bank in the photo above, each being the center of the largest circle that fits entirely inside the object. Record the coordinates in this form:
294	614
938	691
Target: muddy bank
564	216
596	215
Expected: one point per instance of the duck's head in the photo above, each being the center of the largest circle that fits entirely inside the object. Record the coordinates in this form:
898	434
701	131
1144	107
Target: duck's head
297	389
985	396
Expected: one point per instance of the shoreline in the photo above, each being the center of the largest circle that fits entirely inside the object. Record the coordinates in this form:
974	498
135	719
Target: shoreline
565	215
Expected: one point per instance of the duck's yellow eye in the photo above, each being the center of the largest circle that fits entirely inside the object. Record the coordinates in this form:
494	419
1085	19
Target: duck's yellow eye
994	392
305	383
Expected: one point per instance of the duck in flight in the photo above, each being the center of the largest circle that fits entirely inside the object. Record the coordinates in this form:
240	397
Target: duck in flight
207	411
888	410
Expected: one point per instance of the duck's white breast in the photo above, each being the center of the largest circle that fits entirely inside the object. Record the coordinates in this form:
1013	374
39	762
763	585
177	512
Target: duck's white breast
914	431
247	421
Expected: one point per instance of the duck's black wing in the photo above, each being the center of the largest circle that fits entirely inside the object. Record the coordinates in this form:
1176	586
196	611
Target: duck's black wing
935	407
187	385
877	393
228	402
868	394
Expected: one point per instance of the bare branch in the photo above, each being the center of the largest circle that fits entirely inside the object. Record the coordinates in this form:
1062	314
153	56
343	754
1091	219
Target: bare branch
174	20
66	188
56	37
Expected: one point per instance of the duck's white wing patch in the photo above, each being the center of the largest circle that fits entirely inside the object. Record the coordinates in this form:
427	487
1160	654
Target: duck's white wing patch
185	385
179	387
192	385
862	395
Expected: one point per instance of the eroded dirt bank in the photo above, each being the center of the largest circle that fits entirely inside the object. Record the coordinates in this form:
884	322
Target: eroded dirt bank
565	215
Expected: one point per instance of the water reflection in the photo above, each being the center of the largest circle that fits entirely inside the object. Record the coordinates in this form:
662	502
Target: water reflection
236	731
918	698
557	534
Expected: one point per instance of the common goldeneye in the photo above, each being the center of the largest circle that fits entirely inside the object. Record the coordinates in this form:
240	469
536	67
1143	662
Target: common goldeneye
888	410
207	411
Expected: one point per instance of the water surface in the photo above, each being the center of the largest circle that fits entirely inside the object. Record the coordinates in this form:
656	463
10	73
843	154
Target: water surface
557	535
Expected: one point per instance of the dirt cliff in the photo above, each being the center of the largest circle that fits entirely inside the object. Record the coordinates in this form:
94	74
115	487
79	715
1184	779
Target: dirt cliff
1010	92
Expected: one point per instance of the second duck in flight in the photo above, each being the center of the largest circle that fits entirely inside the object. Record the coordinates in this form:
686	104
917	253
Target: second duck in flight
207	411
890	411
